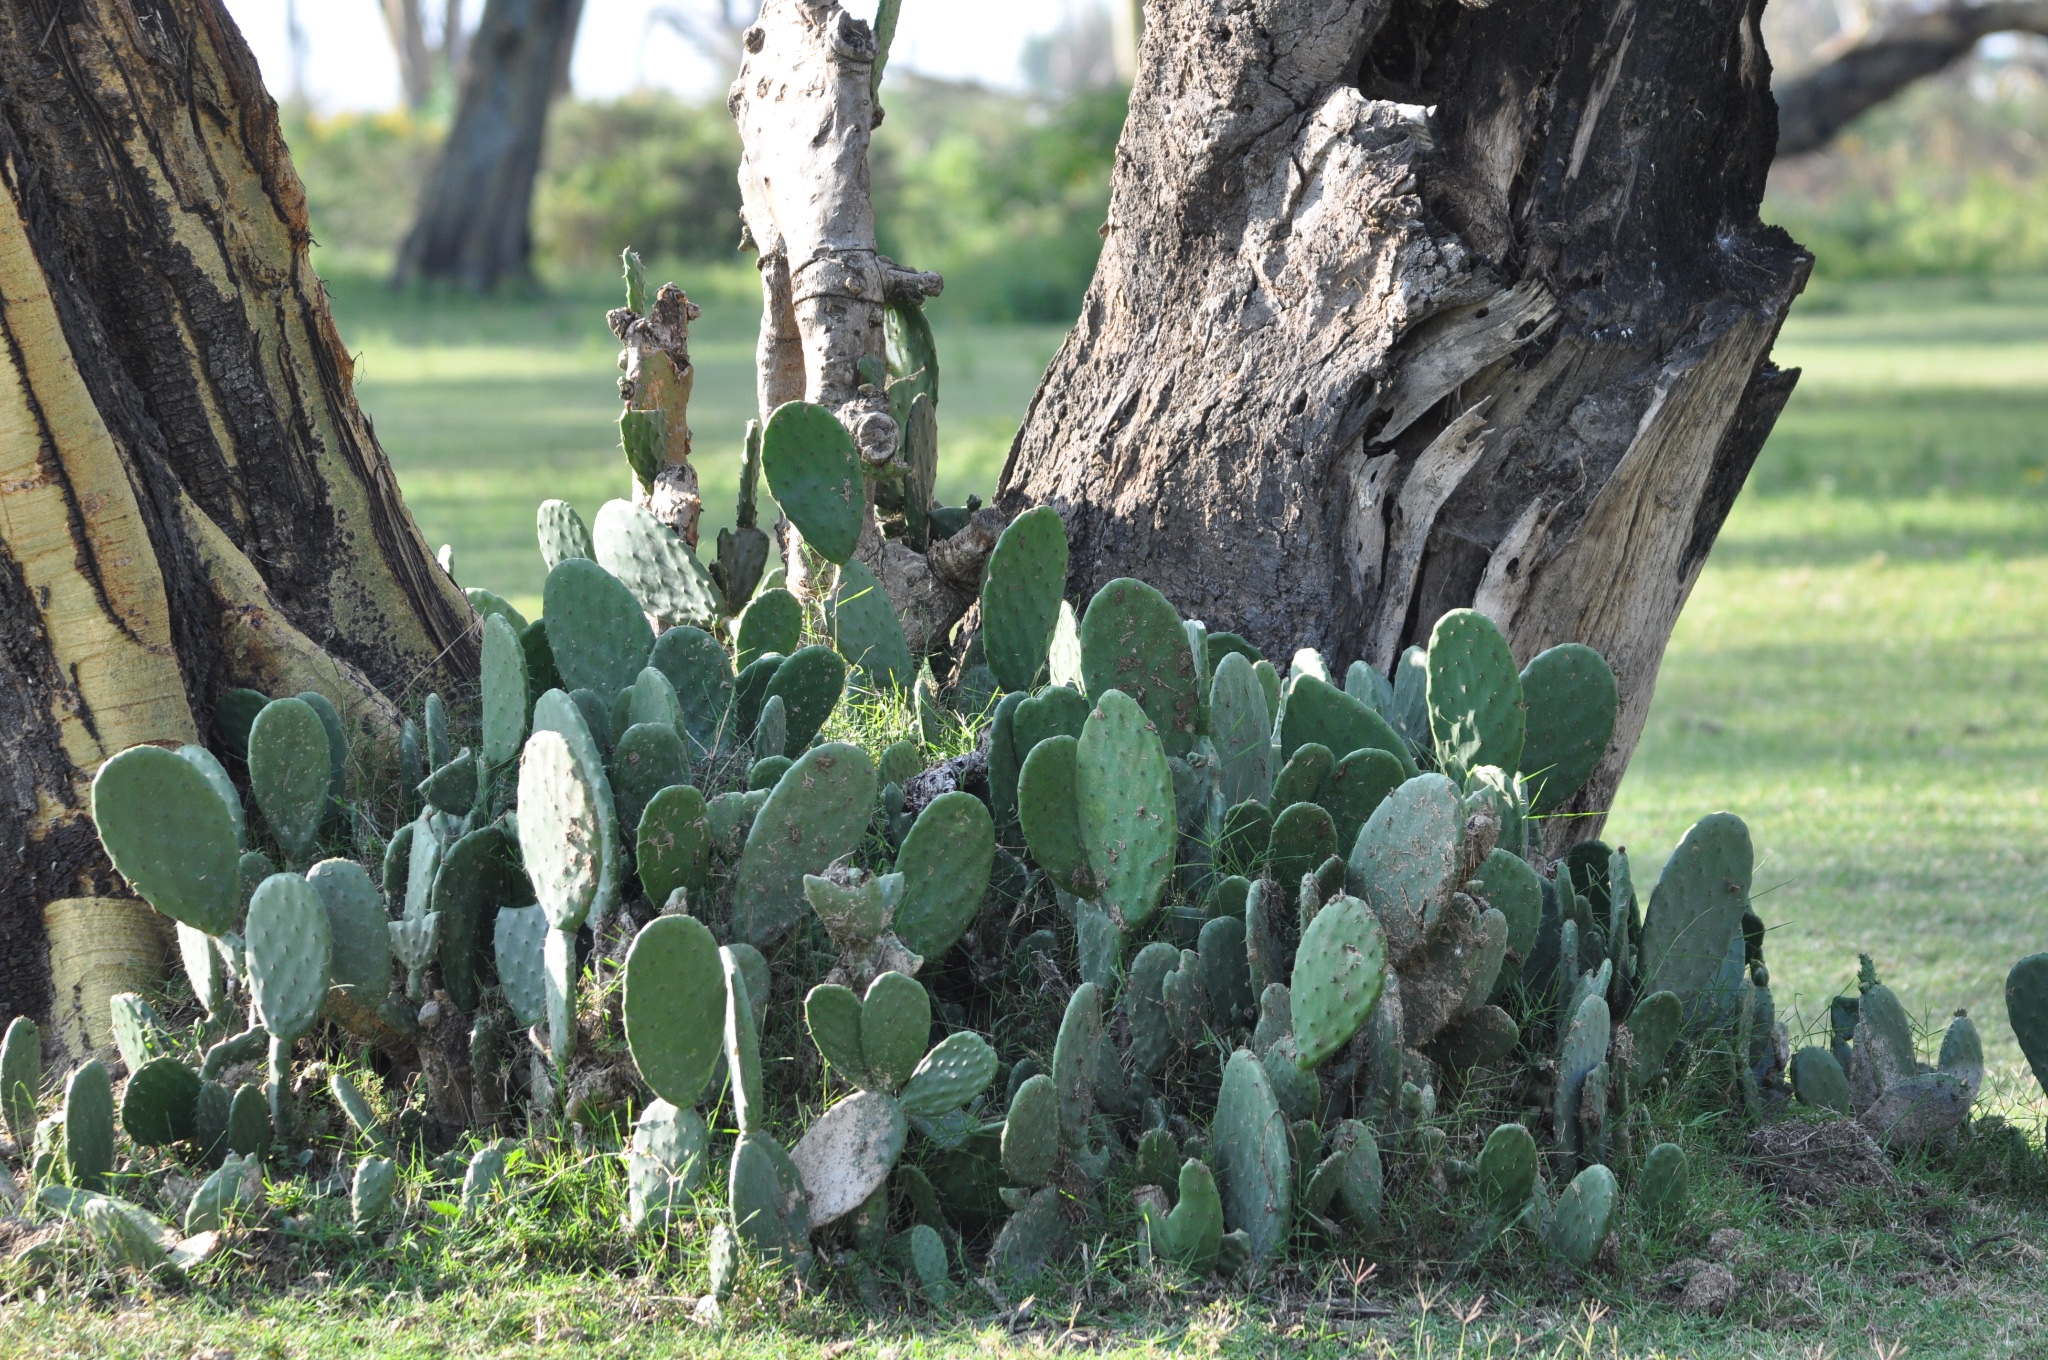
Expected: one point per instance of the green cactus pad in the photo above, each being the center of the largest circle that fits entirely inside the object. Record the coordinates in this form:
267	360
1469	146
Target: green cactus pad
945	862
814	474
1514	890
1005	759
1884	1039
1225	977
1354	790
750	691
2026	1007
1654	1025
764	775
1241	727
809	684
355	925
1124	797
742	1045
1507	1172
1152	1036
1031	1133
89	1125
452	788
562	534
1191	1235
518	943
1020	596
832	1014
233	713
489	602
597	632
867	632
371	1193
160	1105
653	699
818	812
1303	837
480	874
1664	1185
1696	908
958	1068
234	1189
21	1077
248	1125
1369	687
1572	702
1073	1062
204	761
1317	711
541	675
702	675
673	848
920	422
774	622
771	733
675	1007
1295	1090
337	755
560	837
1302	778
1584	1214
767	1199
1339	968
289	950
659	568
1476	1038
505	701
290	769
1254	1157
1406	857
1584	1048
1247	833
649	757
1475	695
138	1032
1132	640
1818	1080
1049	812
895	1026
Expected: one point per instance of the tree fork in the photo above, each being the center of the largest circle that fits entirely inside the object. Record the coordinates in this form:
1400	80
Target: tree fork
190	498
1407	306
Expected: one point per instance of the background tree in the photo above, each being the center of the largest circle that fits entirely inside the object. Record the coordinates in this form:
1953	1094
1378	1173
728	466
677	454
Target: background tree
474	223
190	498
423	62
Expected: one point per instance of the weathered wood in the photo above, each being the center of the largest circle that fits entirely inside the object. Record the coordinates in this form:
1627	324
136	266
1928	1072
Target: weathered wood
190	498
1293	402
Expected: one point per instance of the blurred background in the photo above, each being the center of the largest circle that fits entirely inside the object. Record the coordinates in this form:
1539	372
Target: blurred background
1860	672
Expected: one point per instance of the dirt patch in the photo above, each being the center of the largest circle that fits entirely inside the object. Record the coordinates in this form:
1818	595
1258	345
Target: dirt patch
1815	1161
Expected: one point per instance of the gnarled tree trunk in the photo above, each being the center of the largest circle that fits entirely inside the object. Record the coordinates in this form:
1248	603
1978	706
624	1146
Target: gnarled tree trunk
474	222
190	498
1406	306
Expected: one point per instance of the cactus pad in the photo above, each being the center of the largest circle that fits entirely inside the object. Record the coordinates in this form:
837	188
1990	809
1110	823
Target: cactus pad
160	1105
21	1077
1475	695
958	1068
1339	968
355	925
1664	1185
1124	795
2026	1007
945	862
204	761
1303	837
1355	789
1696	908
1317	711
1584	1214
1572	702
867	632
847	1152
1507	1172
597	631
673	848
1020	596
675	1007
89	1124
774	622
1254	1157
767	1198
561	533
1048	811
559	832
371	1193
289	952
1242	728
518	944
505	701
1132	640
702	675
649	757
1031	1134
658	567
814	474
809	684
290	769
1407	856
818	812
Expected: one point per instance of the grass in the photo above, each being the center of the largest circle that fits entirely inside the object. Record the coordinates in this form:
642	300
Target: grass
1858	674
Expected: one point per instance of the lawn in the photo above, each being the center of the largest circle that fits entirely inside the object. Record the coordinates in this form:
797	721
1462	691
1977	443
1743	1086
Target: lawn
1859	674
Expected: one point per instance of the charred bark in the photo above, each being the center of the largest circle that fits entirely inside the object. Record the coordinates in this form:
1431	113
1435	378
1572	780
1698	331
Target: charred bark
1857	76
190	498
474	222
1406	305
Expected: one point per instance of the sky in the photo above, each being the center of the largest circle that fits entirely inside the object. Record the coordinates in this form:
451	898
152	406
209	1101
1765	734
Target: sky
350	66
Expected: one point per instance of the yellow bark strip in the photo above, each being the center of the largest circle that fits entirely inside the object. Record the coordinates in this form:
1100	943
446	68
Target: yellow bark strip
98	946
97	583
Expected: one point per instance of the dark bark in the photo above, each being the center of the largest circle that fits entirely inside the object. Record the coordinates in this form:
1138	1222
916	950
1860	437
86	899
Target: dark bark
1857	77
192	499
1408	306
474	223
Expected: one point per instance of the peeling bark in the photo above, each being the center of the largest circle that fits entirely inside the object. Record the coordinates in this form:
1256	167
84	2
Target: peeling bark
1406	304
190	498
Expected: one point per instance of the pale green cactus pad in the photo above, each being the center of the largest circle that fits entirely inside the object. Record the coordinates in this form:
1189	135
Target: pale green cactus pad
1572	703
702	675
774	622
658	567
866	631
1123	791
675	1007
1317	711
817	812
1696	908
289	950
1132	640
1476	714
1584	1214
945	862
1254	1157
597	631
814	474
562	534
1339	968
1020	596
847	1152
559	834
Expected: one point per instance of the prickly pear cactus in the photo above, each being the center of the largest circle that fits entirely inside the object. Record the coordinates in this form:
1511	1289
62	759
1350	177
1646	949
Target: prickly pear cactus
518	945
809	684
1696	908
1584	1214
562	534
1254	1156
1405	864
559	834
204	761
1020	596
1049	813
290	769
1132	640
370	1196
774	622
2026	1008
597	631
504	692
1339	968
89	1125
958	1069
814	473
649	757
658	567
673	848
21	1077
703	678
1584	1048
1317	711
1475	695
160	1105
675	1007
1664	1185
867	632
817	812
945	861
1191	1234
1123	792
1572	702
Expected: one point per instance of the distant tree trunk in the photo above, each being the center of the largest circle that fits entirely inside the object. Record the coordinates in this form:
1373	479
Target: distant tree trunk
408	30
1857	76
190	498
473	227
1407	305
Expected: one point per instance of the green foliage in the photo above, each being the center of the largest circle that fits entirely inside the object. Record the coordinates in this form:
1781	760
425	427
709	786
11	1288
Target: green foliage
814	472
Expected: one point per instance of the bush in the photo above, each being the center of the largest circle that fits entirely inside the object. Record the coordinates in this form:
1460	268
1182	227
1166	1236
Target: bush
648	171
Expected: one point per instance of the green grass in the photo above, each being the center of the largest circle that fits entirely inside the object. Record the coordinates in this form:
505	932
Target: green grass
1859	674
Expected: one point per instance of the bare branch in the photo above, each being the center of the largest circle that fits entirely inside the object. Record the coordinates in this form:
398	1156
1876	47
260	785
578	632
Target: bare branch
1882	61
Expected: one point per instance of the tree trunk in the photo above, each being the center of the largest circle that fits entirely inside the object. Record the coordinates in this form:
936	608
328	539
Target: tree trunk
1408	306
190	498
1857	76
474	226
408	30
